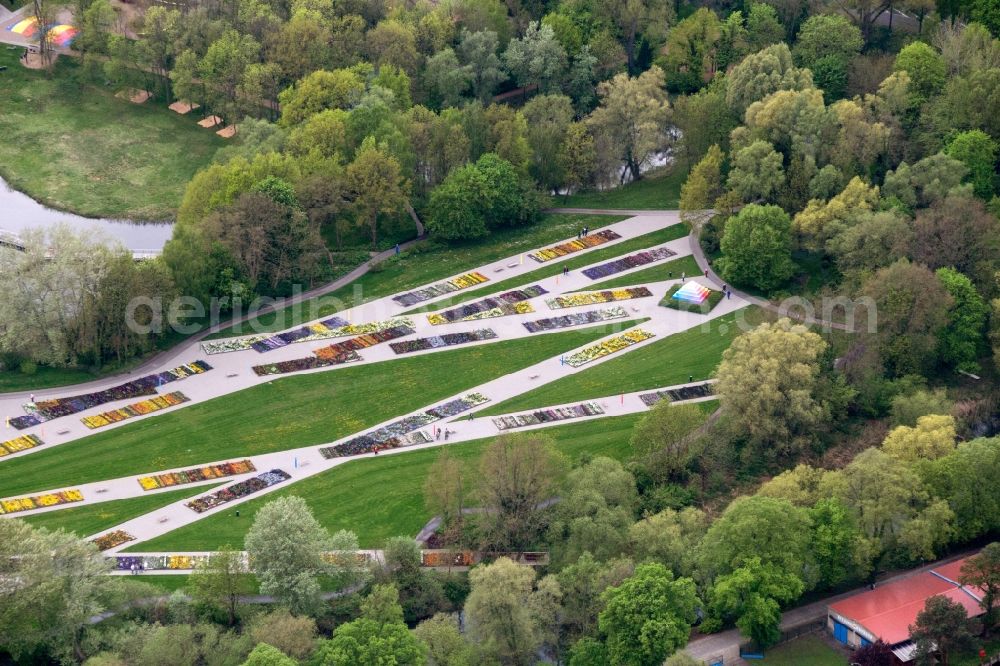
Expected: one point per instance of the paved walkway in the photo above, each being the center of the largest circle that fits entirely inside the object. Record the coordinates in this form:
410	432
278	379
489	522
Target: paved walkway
232	372
304	462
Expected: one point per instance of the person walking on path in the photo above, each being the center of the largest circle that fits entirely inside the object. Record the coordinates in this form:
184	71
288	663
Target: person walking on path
586	230
565	270
397	249
683	275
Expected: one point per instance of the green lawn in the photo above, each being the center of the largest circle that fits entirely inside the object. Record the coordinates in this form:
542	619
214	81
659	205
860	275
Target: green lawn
658	237
93	518
76	147
686	264
658	190
672	360
377	498
282	414
425	263
809	650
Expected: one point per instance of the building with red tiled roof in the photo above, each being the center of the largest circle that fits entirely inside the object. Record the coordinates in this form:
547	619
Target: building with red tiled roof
886	612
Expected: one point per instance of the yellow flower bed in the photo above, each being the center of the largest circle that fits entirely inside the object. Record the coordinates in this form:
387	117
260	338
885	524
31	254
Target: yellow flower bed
48	499
22	443
610	346
149	406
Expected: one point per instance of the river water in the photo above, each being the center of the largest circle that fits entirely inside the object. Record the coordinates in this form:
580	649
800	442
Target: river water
18	212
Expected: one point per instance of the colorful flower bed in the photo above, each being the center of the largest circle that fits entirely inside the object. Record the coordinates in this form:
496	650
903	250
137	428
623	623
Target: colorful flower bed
112	539
138	409
159	562
441	288
404	431
561	250
507	303
337	349
238	490
678	394
299	364
575	319
438	341
22	443
609	346
335	327
626	263
196	474
46	410
594	297
547	416
40	501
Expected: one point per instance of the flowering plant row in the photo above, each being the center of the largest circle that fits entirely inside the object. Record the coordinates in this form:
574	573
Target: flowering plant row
112	539
362	342
438	341
402	432
238	490
573	300
196	474
46	410
334	327
676	395
158	562
561	250
625	263
575	319
138	409
39	501
609	346
22	443
547	416
441	288
318	331
299	364
496	306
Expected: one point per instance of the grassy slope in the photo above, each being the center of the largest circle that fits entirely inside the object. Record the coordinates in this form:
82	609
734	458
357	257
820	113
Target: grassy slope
555	267
91	519
806	650
382	497
685	264
282	414
658	190
427	263
667	361
77	147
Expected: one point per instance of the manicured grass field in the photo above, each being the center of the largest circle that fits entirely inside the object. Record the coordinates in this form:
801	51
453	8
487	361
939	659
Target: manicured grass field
75	146
686	264
93	518
282	414
657	190
672	360
809	650
381	497
555	267
427	263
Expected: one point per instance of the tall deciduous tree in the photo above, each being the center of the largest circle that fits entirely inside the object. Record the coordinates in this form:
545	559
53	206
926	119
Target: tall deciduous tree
548	118
502	612
376	185
222	580
664	440
517	474
648	616
757	174
941	629
52	584
762	73
978	152
633	117
768	385
757	245
286	545
982	571
932	437
962	340
537	58
752	595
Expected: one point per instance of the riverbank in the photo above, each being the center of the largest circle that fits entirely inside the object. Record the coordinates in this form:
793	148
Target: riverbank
75	147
